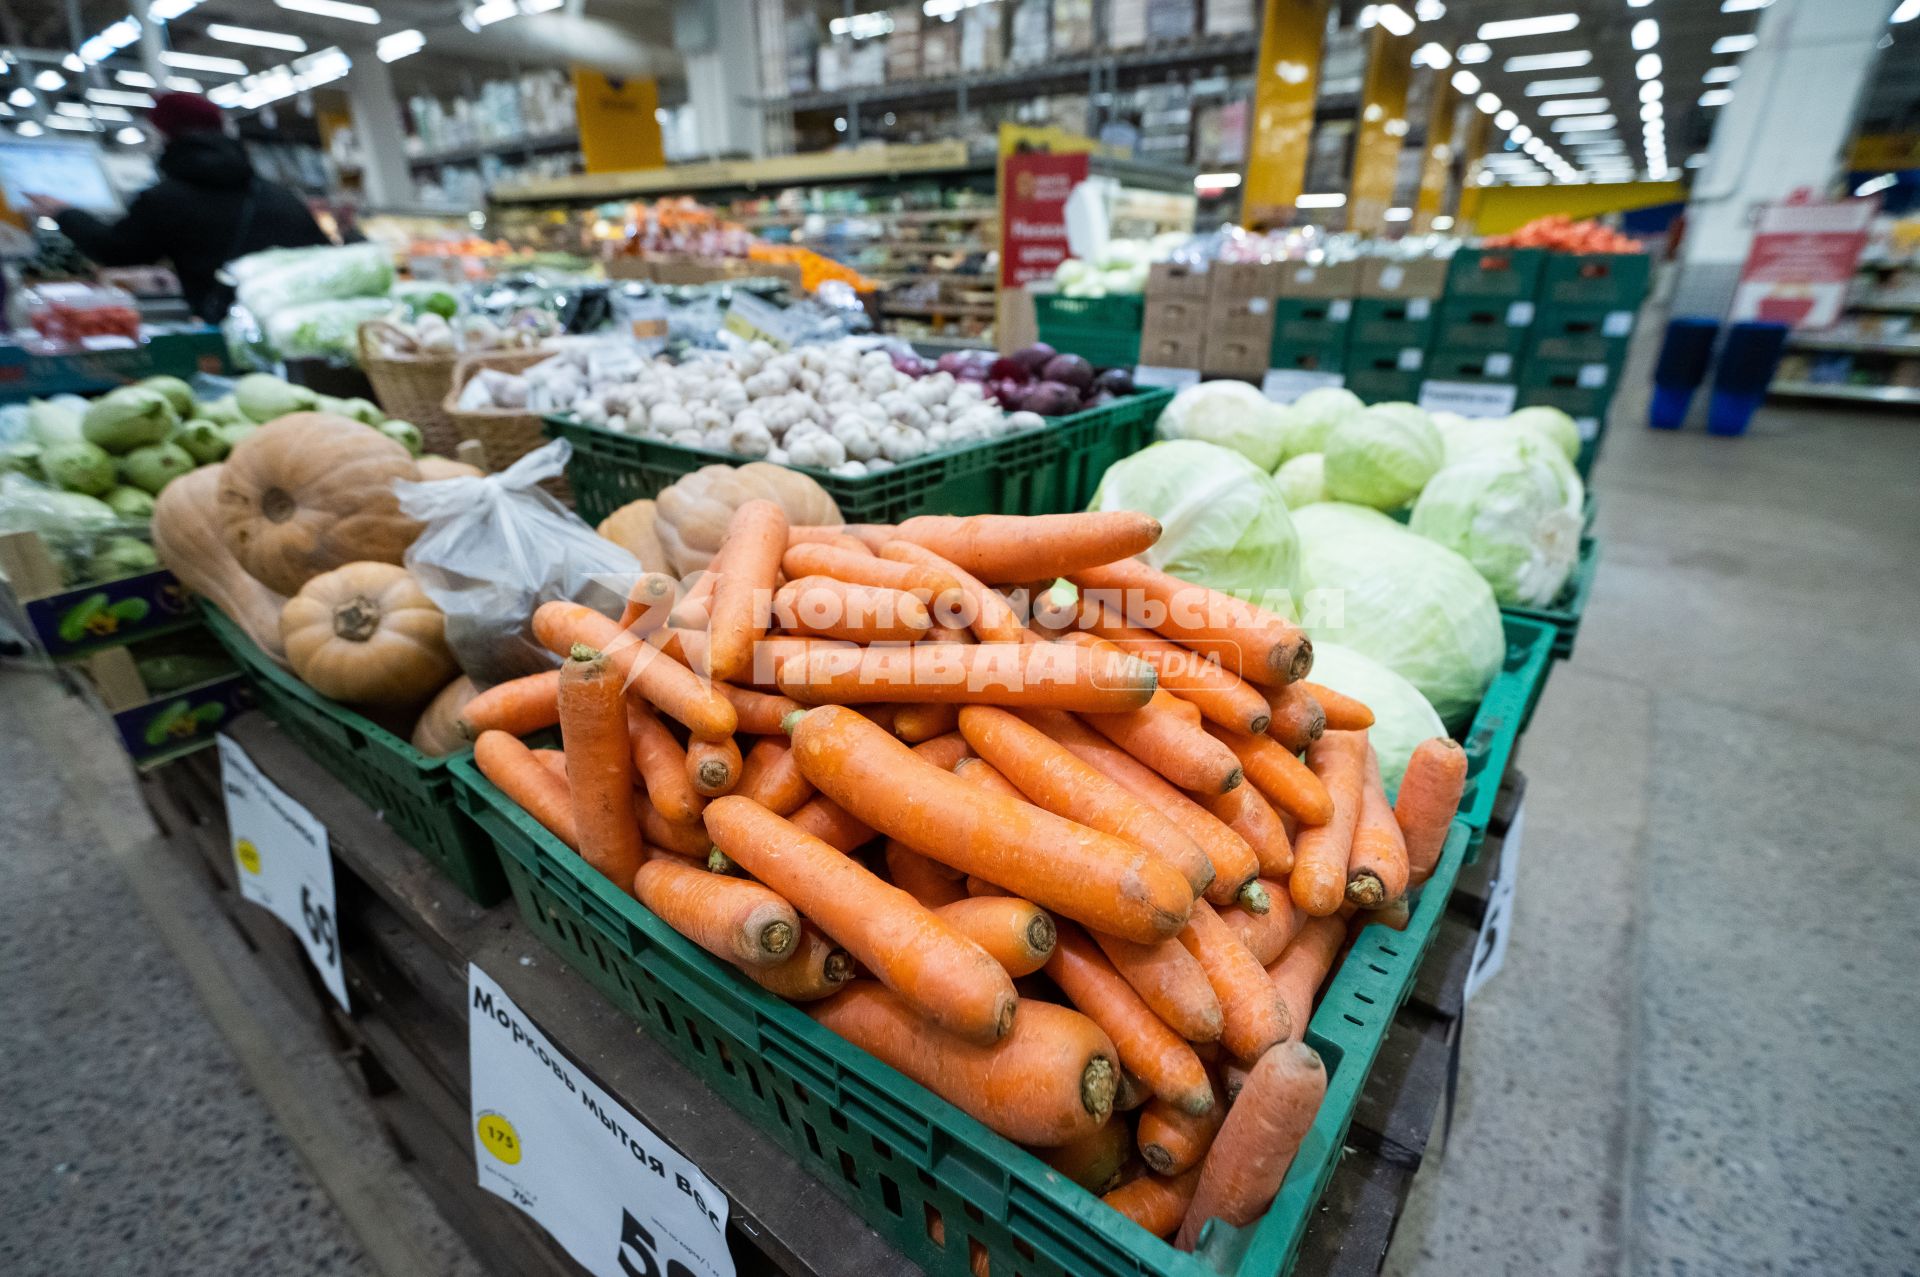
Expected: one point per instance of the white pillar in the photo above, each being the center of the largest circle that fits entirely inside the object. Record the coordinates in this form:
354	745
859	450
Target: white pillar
385	178
1788	126
718	45
152	45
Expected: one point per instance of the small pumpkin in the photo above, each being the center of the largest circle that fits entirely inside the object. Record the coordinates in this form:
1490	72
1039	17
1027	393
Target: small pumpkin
433	467
366	633
309	492
437	733
186	537
691	516
631	528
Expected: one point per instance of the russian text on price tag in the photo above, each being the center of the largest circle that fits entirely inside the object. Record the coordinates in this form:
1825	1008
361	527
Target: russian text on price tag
1496	926
751	318
280	852
1469	398
1284	385
549	1140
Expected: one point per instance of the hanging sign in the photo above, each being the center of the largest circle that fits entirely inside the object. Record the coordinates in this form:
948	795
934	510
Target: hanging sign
1034	186
1802	262
1469	398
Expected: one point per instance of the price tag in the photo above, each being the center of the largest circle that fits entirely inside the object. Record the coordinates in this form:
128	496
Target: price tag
1519	314
552	1142
1589	427
1391	277
1170	378
280	852
1618	323
752	319
1490	951
1410	359
1339	312
1499	364
1419	307
1469	398
1284	385
1591	376
647	321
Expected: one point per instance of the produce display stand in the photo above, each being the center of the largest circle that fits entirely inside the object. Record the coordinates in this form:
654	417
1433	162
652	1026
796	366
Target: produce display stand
178	351
407	936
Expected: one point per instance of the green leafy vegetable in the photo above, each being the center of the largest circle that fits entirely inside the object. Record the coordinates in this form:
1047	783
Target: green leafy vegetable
1383	456
1229	413
1504	513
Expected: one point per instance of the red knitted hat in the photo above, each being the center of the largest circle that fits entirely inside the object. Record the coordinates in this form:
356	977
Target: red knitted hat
177	113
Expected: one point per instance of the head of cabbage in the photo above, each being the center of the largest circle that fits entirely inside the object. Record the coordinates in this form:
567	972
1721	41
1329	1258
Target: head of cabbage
1555	425
1463	438
1303	479
1231	414
1314	416
1383	457
1416	607
1223	522
1504	512
1401	716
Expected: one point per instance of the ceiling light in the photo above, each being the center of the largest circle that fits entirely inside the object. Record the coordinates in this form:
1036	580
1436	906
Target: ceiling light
1907	12
200	62
1516	28
78	110
1646	33
1553	88
1442	223
1736	43
489	12
135	79
1716	97
260	39
1216	181
1648	66
1466	81
183	84
1330	200
21	97
130	135
1429	10
72	62
1573	106
1472	53
1398	215
333	9
1876	184
399	45
168	10
1395	19
1697	160
69	123
1583	123
1432	55
49	80
1651	91
120	97
1743	6
1487	102
1720	75
1549	61
1521	134
1506	121
117	114
27	128
1650	112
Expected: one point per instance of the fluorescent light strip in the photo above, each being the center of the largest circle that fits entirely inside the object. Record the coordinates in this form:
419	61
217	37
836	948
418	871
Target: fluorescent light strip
399	45
201	62
1735	43
1583	123
69	123
1215	181
1907	12
1743	6
1487	102
1554	88
1549	61
1506	120
1466	81
1396	20
1573	106
1646	33
1720	75
135	79
1517	28
333	9
259	39
1651	91
1432	55
1648	66
50	80
1716	97
1468	54
1330	200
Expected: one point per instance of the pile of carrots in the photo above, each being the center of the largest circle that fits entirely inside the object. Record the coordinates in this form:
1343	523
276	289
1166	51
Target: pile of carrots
1071	873
1562	234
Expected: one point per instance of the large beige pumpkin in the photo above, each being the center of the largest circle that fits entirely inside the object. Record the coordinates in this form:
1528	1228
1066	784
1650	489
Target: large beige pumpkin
186	537
690	517
366	633
307	493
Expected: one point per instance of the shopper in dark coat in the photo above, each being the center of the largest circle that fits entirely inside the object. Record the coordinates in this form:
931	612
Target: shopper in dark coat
207	209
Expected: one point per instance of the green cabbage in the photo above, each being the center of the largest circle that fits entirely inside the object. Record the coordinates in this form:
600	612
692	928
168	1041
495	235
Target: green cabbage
1314	416
305	276
1383	456
1505	513
1555	425
80	467
1231	414
323	329
1303	479
128	418
1464	438
1224	523
1416	607
1401	716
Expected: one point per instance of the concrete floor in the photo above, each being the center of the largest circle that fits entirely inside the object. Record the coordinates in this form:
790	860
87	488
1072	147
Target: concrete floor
1698	1059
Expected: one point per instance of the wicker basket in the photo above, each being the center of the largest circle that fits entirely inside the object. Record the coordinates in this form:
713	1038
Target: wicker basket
505	434
411	387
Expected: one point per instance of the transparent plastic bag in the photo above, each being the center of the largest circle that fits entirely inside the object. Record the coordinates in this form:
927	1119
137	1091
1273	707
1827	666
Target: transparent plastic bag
497	547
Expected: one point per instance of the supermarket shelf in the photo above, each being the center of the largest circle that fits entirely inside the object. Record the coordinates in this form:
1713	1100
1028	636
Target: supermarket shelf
1888	306
539	144
881	161
1846	392
1855	345
896	215
984	310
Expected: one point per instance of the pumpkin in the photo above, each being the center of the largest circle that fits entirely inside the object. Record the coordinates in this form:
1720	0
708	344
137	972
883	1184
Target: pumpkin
366	633
631	528
307	493
437	734
433	467
186	536
691	516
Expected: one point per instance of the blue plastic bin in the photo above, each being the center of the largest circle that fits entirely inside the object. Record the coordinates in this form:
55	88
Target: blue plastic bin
1685	356
1746	368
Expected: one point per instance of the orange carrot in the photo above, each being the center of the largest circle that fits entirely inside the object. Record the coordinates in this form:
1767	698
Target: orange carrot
555	761
1130	1094
1256	1144
945	752
518	707
593	731
947	634
980	608
686	840
1297	974
1095	1161
1343	713
978	887
871	535
824	607
829	822
1038	674
1218	693
648	602
927	881
1247	812
1251	641
731	918
864	567
1318	882
1166	735
1061	866
1047	1082
1016	933
693	610
772	778
1265	935
1233	1078
747	563
1429	798
1234	864
759	713
825	538
1051	776
998	547
916	723
1252	1014
1170	981
1298	719
978	771
1395	914
1172	1140
1147	1047
1157	1205
817	968
1377	865
662	764
713	766
511	766
642	669
1284	780
948	978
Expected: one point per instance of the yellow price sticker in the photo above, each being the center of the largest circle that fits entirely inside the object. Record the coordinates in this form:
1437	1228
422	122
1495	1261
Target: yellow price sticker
499	1138
248	855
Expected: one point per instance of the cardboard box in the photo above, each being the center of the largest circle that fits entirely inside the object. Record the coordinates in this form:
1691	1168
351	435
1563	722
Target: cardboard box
940	49
1229	17
983	38
73	621
1126	23
1310	279
1238	348
1172	19
1031	20
1072	26
1167	280
1233	283
1170	349
1387	277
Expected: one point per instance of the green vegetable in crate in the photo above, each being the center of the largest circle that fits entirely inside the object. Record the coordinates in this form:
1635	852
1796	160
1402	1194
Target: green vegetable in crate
365	411
1555	425
119	556
1402	718
222	411
203	441
50	422
22	458
404	433
155	466
76	511
1225	524
181	669
1303	479
79	467
1465	438
1415	607
130	503
262	396
234	431
1311	418
1229	413
1505	514
178	394
1383	457
128	418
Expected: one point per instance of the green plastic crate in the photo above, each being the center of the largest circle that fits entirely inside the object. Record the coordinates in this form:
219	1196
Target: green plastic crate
1595	279
1505	709
1509	274
1448	364
1582	334
1564	613
1047	471
1483	325
409	790
1378	385
1392	322
1105	331
899	1155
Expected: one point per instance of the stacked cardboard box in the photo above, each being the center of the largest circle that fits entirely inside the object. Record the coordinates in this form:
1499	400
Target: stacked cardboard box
1175	317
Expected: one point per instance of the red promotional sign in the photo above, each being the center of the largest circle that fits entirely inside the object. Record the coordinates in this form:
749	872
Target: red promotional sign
1033	225
1802	262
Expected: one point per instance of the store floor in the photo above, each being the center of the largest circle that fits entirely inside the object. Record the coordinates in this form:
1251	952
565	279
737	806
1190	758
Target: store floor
1697	1060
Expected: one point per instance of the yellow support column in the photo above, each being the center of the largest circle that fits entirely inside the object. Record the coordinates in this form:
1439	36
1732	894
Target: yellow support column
1285	81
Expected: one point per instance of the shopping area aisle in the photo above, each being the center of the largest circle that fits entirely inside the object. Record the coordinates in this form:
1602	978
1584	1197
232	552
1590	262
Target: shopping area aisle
1698	1057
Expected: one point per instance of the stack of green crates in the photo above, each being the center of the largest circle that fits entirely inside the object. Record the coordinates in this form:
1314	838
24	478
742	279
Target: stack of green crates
1310	333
